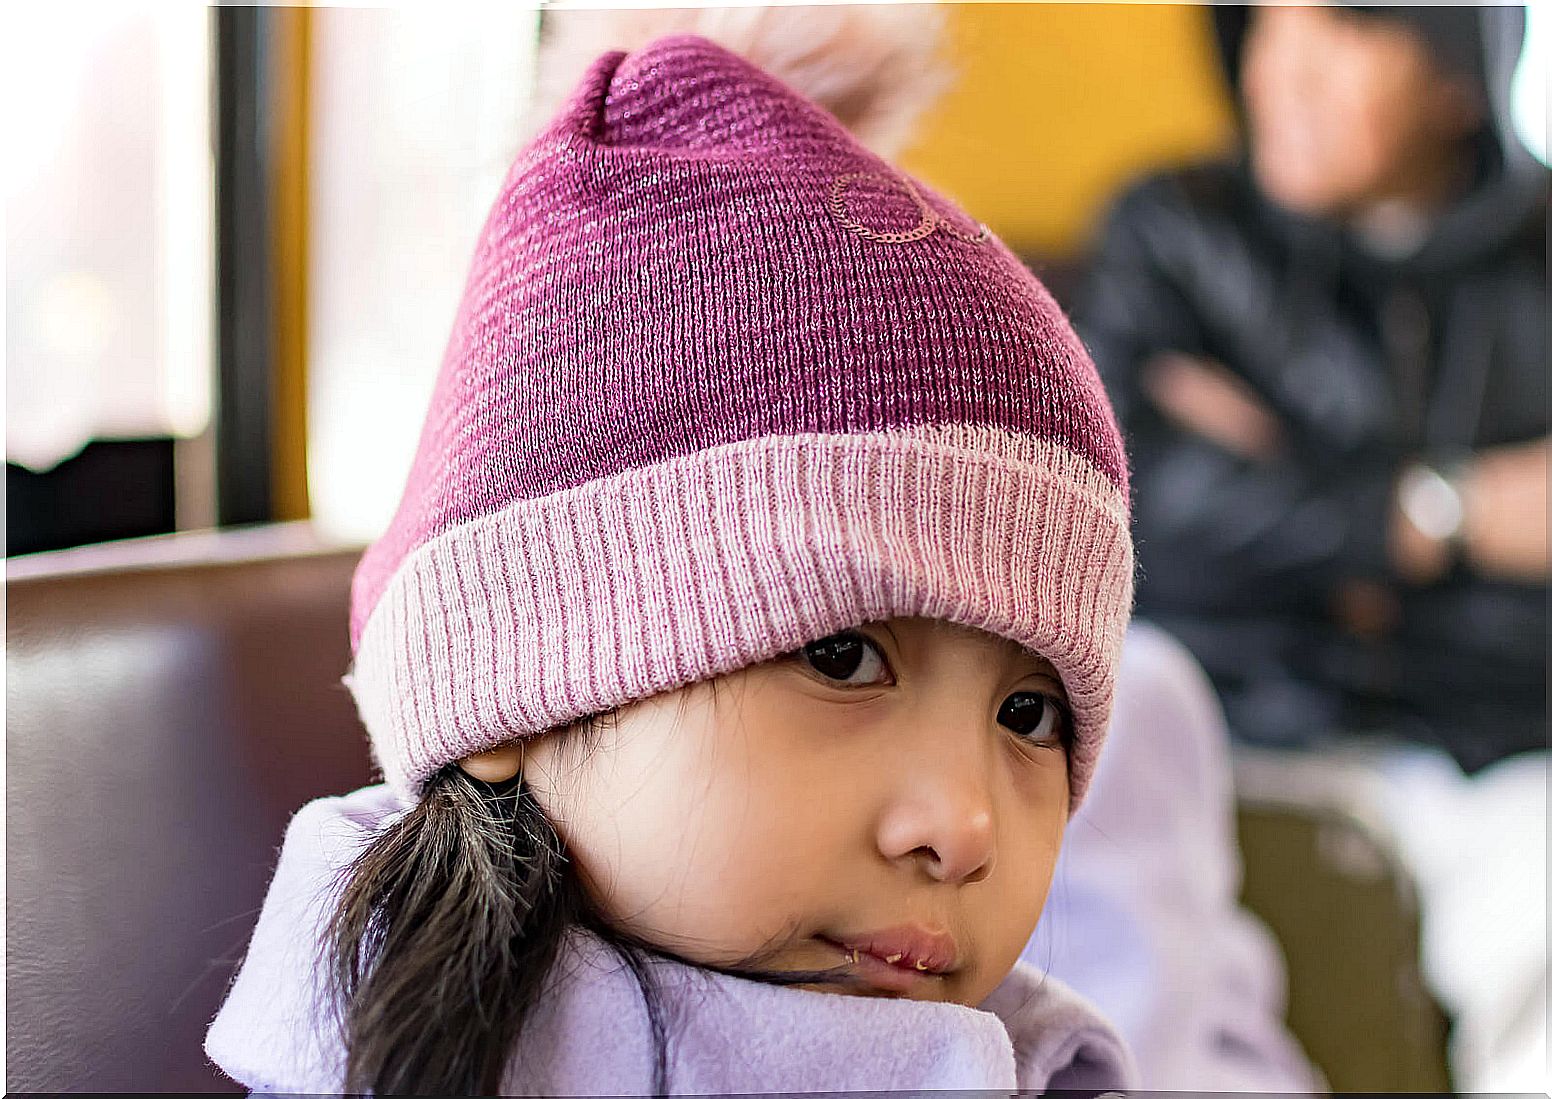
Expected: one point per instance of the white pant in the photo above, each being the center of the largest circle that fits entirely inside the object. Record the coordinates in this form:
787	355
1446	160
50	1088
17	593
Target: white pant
1477	847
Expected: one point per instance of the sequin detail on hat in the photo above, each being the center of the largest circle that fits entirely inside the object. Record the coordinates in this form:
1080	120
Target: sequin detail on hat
889	191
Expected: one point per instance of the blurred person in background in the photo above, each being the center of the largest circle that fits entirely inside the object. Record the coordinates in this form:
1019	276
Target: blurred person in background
1144	917
1330	360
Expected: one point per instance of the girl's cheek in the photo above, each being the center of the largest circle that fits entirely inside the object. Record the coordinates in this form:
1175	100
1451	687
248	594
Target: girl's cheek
1027	860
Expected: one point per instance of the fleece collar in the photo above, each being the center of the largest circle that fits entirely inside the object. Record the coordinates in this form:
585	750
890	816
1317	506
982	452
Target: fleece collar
591	1036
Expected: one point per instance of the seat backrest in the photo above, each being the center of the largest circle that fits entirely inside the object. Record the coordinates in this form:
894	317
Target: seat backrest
1326	878
169	704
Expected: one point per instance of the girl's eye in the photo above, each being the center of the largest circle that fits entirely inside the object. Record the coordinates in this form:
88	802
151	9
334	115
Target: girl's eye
1033	716
848	658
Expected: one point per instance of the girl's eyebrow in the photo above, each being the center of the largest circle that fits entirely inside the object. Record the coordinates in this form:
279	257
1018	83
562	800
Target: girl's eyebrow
1040	666
894	640
1040	662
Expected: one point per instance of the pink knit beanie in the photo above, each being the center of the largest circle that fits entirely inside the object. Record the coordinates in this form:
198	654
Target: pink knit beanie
723	383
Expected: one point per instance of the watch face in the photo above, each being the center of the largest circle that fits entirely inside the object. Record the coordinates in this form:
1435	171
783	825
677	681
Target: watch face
1430	502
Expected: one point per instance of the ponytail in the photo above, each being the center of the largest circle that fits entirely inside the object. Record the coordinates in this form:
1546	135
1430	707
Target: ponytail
444	933
447	926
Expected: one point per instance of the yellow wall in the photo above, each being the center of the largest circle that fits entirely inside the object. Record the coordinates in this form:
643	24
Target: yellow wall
288	228
1057	105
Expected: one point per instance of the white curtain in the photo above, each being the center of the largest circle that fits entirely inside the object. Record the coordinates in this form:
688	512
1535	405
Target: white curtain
416	115
109	180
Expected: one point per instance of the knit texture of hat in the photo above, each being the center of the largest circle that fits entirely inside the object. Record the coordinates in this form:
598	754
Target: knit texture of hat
723	383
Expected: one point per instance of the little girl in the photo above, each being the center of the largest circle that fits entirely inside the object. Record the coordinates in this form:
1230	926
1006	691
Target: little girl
744	639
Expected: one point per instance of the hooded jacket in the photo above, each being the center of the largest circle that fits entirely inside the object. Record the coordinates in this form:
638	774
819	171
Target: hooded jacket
1368	363
590	1034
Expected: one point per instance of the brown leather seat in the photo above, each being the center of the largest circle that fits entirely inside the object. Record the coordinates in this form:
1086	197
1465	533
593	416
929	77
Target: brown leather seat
169	702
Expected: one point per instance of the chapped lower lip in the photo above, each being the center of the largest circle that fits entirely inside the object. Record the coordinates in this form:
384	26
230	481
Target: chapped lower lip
875	971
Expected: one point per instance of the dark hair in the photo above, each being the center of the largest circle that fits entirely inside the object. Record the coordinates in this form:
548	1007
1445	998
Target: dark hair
446	927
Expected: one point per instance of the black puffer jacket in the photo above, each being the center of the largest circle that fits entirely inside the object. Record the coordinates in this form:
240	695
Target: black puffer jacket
1367	363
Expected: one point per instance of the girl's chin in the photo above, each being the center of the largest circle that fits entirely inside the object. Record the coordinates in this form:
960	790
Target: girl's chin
873	992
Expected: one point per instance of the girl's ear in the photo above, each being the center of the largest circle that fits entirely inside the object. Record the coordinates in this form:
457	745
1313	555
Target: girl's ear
496	765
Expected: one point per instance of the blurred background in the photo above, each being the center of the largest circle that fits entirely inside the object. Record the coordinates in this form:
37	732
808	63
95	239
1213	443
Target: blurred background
236	237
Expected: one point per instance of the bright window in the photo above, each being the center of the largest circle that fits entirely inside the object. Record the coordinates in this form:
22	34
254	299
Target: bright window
416	116
108	225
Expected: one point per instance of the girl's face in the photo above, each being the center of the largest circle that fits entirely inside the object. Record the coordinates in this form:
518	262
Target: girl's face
887	803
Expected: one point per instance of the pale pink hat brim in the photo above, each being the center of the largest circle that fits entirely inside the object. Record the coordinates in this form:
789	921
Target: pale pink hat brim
572	604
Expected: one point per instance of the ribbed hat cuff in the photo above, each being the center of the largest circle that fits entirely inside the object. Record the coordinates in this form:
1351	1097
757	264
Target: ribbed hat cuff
572	604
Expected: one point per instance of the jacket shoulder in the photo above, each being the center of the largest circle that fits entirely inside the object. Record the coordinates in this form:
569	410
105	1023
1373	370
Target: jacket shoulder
1186	222
1197	192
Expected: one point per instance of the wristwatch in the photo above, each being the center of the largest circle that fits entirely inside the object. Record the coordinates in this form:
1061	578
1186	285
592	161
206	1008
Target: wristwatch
1431	500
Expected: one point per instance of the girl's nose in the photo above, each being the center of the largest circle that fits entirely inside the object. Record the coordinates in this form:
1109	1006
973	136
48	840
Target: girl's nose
941	819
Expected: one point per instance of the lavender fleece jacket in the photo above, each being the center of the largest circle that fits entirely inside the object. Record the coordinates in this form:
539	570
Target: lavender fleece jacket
590	1036
1143	916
